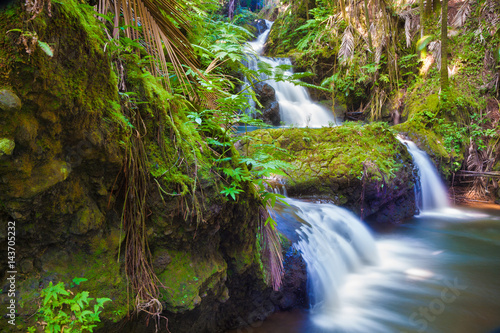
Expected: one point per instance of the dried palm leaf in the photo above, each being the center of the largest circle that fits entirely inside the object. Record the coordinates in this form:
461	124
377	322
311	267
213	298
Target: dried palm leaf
435	49
412	22
490	15
346	51
157	22
462	14
379	49
271	251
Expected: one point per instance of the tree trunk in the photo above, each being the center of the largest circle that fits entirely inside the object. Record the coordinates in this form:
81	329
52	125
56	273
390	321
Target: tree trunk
342	7
422	18
428	8
436	5
368	24
444	46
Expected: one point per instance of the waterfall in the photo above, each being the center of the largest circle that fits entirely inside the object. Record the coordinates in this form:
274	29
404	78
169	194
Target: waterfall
333	243
295	105
433	191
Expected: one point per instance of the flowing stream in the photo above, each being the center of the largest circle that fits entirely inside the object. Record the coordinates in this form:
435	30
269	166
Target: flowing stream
439	273
433	194
435	274
295	105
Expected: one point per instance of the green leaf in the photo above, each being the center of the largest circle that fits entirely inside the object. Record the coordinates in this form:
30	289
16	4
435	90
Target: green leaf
77	281
231	191
45	48
423	42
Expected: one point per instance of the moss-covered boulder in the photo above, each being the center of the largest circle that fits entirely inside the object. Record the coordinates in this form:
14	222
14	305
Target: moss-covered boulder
364	168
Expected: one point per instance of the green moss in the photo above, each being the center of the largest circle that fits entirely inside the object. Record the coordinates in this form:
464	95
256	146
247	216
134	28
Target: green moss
336	154
187	277
6	146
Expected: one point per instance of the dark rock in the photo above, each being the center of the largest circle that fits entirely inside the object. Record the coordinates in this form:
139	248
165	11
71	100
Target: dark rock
265	93
260	25
293	291
271	115
270	107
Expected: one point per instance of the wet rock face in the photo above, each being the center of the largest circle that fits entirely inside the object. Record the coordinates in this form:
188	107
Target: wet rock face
266	95
260	25
293	291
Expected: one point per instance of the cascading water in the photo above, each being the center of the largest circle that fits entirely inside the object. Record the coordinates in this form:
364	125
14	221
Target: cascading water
295	105
412	280
333	243
433	192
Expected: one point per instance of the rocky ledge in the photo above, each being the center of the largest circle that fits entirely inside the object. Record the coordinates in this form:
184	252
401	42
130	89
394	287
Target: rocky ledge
361	167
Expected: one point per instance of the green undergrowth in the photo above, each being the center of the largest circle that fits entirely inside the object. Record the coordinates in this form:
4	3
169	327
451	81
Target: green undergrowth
101	268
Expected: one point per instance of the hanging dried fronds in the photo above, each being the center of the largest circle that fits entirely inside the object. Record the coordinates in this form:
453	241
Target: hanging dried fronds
138	267
346	51
462	14
272	258
412	22
157	22
435	50
489	18
379	49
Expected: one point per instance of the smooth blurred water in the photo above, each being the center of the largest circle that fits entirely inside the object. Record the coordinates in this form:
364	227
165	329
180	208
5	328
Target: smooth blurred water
295	104
434	196
436	274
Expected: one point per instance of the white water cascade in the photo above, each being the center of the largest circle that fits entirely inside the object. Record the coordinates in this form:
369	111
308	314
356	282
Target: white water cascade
334	243
295	105
434	193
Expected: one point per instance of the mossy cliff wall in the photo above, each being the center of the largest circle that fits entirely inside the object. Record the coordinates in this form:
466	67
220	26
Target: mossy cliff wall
363	168
64	136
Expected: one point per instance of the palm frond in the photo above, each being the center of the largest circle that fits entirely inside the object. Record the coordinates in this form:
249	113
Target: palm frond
347	47
412	20
435	49
490	16
272	257
462	14
157	22
379	49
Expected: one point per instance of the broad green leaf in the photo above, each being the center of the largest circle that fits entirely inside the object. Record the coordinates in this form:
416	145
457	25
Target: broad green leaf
423	42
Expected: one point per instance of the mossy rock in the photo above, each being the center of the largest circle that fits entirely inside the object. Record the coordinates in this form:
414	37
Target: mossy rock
187	278
6	146
9	101
362	167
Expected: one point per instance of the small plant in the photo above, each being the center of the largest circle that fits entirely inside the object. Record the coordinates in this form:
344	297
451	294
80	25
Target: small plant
63	311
